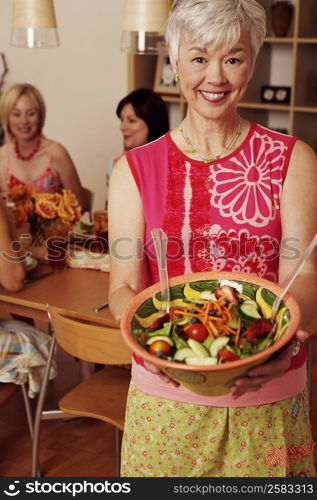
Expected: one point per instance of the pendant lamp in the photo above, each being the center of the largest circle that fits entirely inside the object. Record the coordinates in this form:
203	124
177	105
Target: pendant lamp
34	24
143	26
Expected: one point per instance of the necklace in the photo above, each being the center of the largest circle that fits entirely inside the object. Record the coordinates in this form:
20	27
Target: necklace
209	159
29	156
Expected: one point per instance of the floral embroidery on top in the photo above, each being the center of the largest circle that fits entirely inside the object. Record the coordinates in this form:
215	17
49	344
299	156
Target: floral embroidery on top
237	251
248	186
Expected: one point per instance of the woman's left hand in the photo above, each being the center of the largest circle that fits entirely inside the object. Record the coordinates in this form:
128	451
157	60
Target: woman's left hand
271	369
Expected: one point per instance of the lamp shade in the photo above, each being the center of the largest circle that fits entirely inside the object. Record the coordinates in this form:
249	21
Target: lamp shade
143	26
34	24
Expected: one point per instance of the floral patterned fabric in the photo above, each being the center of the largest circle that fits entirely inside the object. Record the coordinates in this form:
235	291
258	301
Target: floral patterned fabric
48	181
167	438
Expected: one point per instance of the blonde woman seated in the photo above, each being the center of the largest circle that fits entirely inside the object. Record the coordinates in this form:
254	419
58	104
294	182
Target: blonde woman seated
28	157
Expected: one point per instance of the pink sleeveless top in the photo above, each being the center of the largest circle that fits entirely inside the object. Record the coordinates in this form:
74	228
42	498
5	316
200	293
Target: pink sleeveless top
224	215
48	182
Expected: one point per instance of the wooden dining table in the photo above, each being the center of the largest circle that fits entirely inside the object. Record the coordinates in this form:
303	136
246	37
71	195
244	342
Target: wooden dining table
74	292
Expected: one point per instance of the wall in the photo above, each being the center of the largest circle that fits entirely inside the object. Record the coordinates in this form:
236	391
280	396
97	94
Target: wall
82	82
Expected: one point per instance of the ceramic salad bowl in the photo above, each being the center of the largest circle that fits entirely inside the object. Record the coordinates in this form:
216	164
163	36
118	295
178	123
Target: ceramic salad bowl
232	311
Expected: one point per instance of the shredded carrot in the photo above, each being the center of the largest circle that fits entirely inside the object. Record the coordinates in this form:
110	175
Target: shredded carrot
216	319
213	329
228	329
237	339
207	312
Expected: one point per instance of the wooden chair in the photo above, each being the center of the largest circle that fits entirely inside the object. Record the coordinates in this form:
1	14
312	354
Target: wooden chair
103	395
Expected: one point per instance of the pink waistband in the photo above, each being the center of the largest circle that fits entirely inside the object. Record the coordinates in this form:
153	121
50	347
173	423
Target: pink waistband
291	383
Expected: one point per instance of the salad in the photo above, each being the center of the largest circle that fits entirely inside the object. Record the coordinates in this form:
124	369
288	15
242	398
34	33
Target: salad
86	228
209	322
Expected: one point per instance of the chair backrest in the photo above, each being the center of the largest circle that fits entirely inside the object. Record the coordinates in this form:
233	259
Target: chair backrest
90	342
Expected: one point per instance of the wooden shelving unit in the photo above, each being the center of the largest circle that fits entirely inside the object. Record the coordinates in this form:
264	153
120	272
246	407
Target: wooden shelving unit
289	61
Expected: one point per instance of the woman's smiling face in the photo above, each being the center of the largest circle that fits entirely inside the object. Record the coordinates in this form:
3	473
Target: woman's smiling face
134	130
214	79
24	119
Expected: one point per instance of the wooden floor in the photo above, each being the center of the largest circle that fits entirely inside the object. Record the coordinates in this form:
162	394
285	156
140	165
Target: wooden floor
74	448
81	447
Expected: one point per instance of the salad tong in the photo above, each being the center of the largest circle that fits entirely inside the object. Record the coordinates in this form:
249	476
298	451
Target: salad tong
160	244
286	285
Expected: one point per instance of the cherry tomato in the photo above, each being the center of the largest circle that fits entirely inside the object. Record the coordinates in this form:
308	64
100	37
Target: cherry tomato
197	331
159	346
226	355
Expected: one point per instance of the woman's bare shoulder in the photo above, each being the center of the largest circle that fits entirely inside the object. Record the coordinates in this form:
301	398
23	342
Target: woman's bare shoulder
3	155
303	160
121	167
302	148
54	148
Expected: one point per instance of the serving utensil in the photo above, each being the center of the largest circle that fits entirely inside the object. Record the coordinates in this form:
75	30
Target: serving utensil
103	305
160	244
286	285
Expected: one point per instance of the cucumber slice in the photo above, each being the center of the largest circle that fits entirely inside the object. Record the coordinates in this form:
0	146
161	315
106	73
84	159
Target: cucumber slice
250	310
217	345
184	352
208	295
198	348
251	303
201	361
181	321
207	342
160	337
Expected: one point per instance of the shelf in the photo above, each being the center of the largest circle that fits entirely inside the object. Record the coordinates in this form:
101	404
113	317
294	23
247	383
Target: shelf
273	39
257	105
303	109
306	40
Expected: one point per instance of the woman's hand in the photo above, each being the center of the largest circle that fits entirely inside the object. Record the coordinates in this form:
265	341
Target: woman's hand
156	371
271	369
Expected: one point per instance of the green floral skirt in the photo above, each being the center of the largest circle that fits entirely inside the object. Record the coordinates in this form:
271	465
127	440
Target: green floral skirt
165	438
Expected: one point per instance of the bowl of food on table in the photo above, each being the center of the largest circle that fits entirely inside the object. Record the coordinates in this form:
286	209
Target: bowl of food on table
217	328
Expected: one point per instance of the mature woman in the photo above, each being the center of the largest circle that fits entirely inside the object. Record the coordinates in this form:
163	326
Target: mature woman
28	157
143	118
217	176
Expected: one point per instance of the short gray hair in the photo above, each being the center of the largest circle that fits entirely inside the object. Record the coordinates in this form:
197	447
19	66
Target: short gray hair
218	21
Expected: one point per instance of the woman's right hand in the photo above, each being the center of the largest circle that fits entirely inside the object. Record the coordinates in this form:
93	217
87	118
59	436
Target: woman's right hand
156	371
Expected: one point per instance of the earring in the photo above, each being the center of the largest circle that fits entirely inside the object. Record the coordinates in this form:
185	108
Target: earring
176	77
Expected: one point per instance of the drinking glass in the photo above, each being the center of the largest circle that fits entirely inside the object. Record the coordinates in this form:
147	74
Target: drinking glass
56	234
101	230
